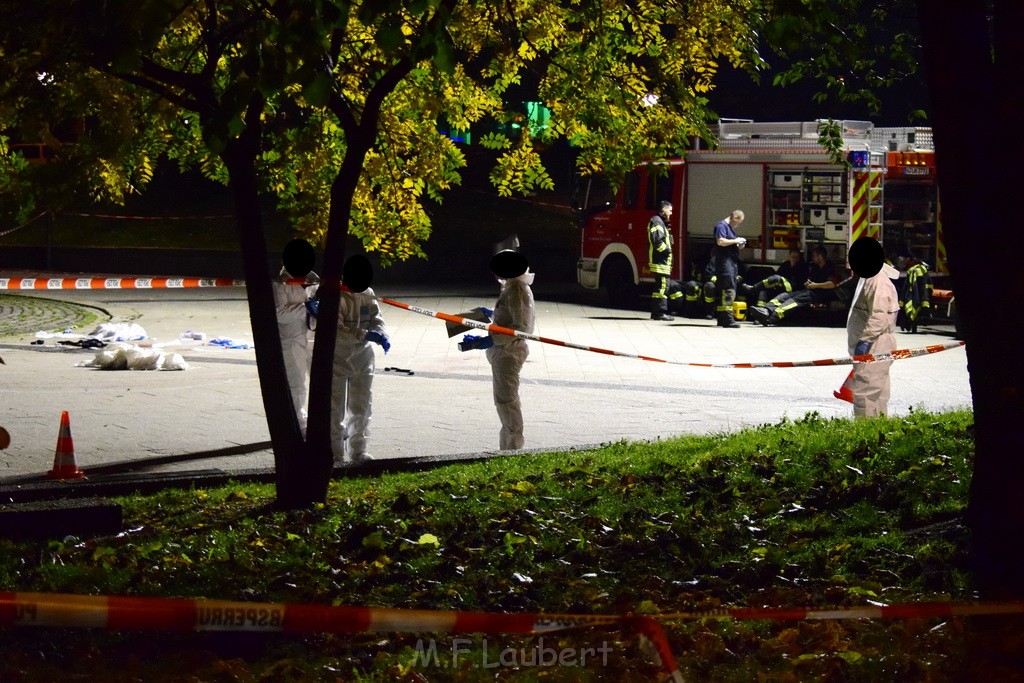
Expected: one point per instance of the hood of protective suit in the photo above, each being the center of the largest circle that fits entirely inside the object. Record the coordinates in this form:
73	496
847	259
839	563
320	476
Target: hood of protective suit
526	279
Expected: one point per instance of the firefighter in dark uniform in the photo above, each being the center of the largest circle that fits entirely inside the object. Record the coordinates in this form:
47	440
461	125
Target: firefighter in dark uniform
660	258
790	276
693	299
727	266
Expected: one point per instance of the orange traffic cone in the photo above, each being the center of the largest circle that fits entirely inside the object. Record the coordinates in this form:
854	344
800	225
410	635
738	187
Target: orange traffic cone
64	466
844	393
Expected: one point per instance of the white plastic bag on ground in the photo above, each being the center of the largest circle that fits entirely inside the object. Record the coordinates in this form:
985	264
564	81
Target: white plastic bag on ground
118	332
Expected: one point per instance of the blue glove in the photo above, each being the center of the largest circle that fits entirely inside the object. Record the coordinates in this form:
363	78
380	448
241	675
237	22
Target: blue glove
378	338
474	341
313	306
486	311
861	348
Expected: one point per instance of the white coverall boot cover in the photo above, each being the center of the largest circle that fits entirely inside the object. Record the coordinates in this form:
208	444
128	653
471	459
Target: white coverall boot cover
872	318
290	303
352	383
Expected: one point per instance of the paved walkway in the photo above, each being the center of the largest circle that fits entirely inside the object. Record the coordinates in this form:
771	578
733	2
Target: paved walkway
150	422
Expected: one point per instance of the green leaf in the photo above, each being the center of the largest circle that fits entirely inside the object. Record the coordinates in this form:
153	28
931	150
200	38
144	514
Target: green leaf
647	607
318	91
511	541
524	487
389	36
374	540
418	7
429	539
444	58
370	11
104	554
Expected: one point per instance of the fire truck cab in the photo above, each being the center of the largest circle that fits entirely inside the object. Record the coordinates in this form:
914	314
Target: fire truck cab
792	192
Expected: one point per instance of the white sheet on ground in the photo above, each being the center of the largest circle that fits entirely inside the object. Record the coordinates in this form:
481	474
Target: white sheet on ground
118	332
121	356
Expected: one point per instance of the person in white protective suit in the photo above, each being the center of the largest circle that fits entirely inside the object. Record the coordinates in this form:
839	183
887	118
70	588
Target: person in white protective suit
870	325
515	309
290	300
359	325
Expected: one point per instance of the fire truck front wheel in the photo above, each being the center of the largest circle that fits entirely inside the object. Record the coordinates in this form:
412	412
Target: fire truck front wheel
617	279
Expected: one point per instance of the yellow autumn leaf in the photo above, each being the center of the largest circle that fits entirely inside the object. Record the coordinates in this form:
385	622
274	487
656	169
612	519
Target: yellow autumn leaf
429	539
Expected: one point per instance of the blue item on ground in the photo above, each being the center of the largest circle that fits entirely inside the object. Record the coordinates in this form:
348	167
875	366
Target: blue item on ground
229	343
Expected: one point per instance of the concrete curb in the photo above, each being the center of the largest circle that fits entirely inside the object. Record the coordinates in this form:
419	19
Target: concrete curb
143	484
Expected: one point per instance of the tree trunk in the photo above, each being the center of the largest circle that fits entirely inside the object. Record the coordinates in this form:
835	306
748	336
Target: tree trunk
294	488
318	428
360	135
971	81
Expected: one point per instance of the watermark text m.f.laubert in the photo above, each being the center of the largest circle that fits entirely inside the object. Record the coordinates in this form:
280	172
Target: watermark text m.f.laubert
430	653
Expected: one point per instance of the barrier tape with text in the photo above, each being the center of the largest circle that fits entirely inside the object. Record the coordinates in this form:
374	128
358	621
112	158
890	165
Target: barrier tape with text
184	283
188	614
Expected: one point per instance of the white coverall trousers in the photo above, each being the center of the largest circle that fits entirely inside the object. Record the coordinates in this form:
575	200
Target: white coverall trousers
873	319
506	364
870	385
351	398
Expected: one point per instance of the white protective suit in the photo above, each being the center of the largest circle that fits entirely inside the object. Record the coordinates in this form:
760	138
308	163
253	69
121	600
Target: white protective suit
872	319
354	361
290	303
514	309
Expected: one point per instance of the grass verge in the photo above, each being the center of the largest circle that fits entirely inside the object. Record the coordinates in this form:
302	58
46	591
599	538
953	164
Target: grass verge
21	315
814	513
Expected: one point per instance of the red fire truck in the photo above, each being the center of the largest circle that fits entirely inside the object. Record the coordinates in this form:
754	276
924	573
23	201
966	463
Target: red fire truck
912	220
792	192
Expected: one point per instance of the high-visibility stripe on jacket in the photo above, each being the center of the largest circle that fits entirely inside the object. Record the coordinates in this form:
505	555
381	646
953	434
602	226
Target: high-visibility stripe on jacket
917	292
659	253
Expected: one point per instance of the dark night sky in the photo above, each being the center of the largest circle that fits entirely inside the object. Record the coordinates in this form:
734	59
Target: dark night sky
736	96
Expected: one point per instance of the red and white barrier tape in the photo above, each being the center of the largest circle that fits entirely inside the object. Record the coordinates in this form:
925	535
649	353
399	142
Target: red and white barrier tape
196	614
3	233
33	283
146	218
116	217
898	354
918	610
177	283
185	614
188	615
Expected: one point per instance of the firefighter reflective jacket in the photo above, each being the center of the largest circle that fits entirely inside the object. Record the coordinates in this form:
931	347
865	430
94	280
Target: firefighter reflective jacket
916	292
660	252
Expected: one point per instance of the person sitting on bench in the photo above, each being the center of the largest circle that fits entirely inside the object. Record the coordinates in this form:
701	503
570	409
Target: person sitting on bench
821	287
790	277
